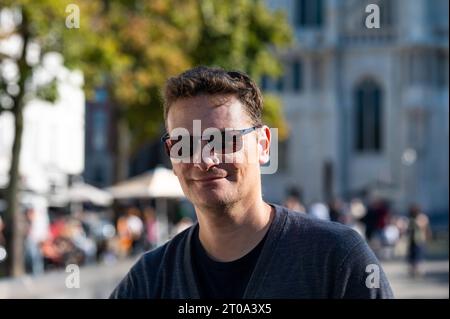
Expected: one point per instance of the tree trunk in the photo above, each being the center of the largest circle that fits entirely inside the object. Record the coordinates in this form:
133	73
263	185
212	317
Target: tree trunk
14	218
14	222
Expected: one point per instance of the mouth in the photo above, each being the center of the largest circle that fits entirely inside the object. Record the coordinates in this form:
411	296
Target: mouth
209	179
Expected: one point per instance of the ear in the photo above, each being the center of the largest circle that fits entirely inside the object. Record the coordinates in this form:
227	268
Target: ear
264	144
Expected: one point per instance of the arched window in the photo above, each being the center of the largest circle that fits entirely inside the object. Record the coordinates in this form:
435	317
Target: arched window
368	101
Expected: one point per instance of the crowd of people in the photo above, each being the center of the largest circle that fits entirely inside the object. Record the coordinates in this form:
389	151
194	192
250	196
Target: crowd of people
376	221
86	237
56	239
79	238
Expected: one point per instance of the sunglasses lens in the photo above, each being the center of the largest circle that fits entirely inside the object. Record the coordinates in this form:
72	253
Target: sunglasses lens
182	151
186	146
231	143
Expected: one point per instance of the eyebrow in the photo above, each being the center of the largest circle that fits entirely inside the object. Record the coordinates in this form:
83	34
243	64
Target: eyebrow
222	130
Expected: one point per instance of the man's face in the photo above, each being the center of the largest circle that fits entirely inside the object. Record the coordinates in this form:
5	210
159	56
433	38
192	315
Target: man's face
217	180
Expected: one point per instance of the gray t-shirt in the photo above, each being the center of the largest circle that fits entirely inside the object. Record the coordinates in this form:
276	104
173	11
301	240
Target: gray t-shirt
301	257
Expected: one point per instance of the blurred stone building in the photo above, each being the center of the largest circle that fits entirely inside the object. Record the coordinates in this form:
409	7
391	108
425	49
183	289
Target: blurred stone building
367	107
103	165
100	140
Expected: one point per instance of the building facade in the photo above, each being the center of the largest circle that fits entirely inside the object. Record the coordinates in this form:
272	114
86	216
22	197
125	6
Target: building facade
367	107
100	140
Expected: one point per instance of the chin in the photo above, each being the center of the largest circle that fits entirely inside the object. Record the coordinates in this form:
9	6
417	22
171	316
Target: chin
215	198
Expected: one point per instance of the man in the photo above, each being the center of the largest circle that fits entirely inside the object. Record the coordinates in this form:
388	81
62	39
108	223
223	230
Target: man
241	247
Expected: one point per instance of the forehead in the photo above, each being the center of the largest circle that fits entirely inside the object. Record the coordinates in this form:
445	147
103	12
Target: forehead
219	111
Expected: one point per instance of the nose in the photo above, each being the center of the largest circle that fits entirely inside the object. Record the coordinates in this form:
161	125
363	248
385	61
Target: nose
206	159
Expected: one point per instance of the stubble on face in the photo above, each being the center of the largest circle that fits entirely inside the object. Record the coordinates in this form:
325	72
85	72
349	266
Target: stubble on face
219	111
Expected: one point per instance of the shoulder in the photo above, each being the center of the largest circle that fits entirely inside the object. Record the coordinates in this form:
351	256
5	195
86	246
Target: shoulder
301	224
301	230
336	250
143	279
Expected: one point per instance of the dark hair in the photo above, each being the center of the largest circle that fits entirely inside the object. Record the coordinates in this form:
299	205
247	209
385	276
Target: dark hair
213	80
414	210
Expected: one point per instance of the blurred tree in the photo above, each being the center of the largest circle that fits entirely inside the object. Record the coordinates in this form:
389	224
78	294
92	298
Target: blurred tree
32	29
244	35
233	34
130	48
152	38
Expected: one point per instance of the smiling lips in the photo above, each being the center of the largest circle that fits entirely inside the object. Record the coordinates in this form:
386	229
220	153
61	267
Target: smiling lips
209	178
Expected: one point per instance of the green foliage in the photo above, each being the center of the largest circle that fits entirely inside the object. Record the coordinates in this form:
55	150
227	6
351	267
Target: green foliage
273	115
46	28
152	37
131	47
48	92
244	35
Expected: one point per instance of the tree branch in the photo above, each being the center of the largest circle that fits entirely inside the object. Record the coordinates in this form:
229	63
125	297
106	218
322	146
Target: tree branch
4	35
5	56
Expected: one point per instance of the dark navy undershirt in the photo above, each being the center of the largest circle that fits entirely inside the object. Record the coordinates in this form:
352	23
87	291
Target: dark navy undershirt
220	280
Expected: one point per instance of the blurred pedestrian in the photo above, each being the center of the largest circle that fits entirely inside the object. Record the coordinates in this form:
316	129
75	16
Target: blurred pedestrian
135	227
151	228
320	211
293	202
418	234
376	219
336	210
390	238
358	211
34	261
124	237
81	241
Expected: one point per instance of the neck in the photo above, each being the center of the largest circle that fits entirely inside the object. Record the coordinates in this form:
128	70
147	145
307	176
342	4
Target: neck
228	233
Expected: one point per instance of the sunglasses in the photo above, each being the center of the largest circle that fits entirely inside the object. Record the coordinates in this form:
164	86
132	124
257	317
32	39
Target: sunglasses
230	141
